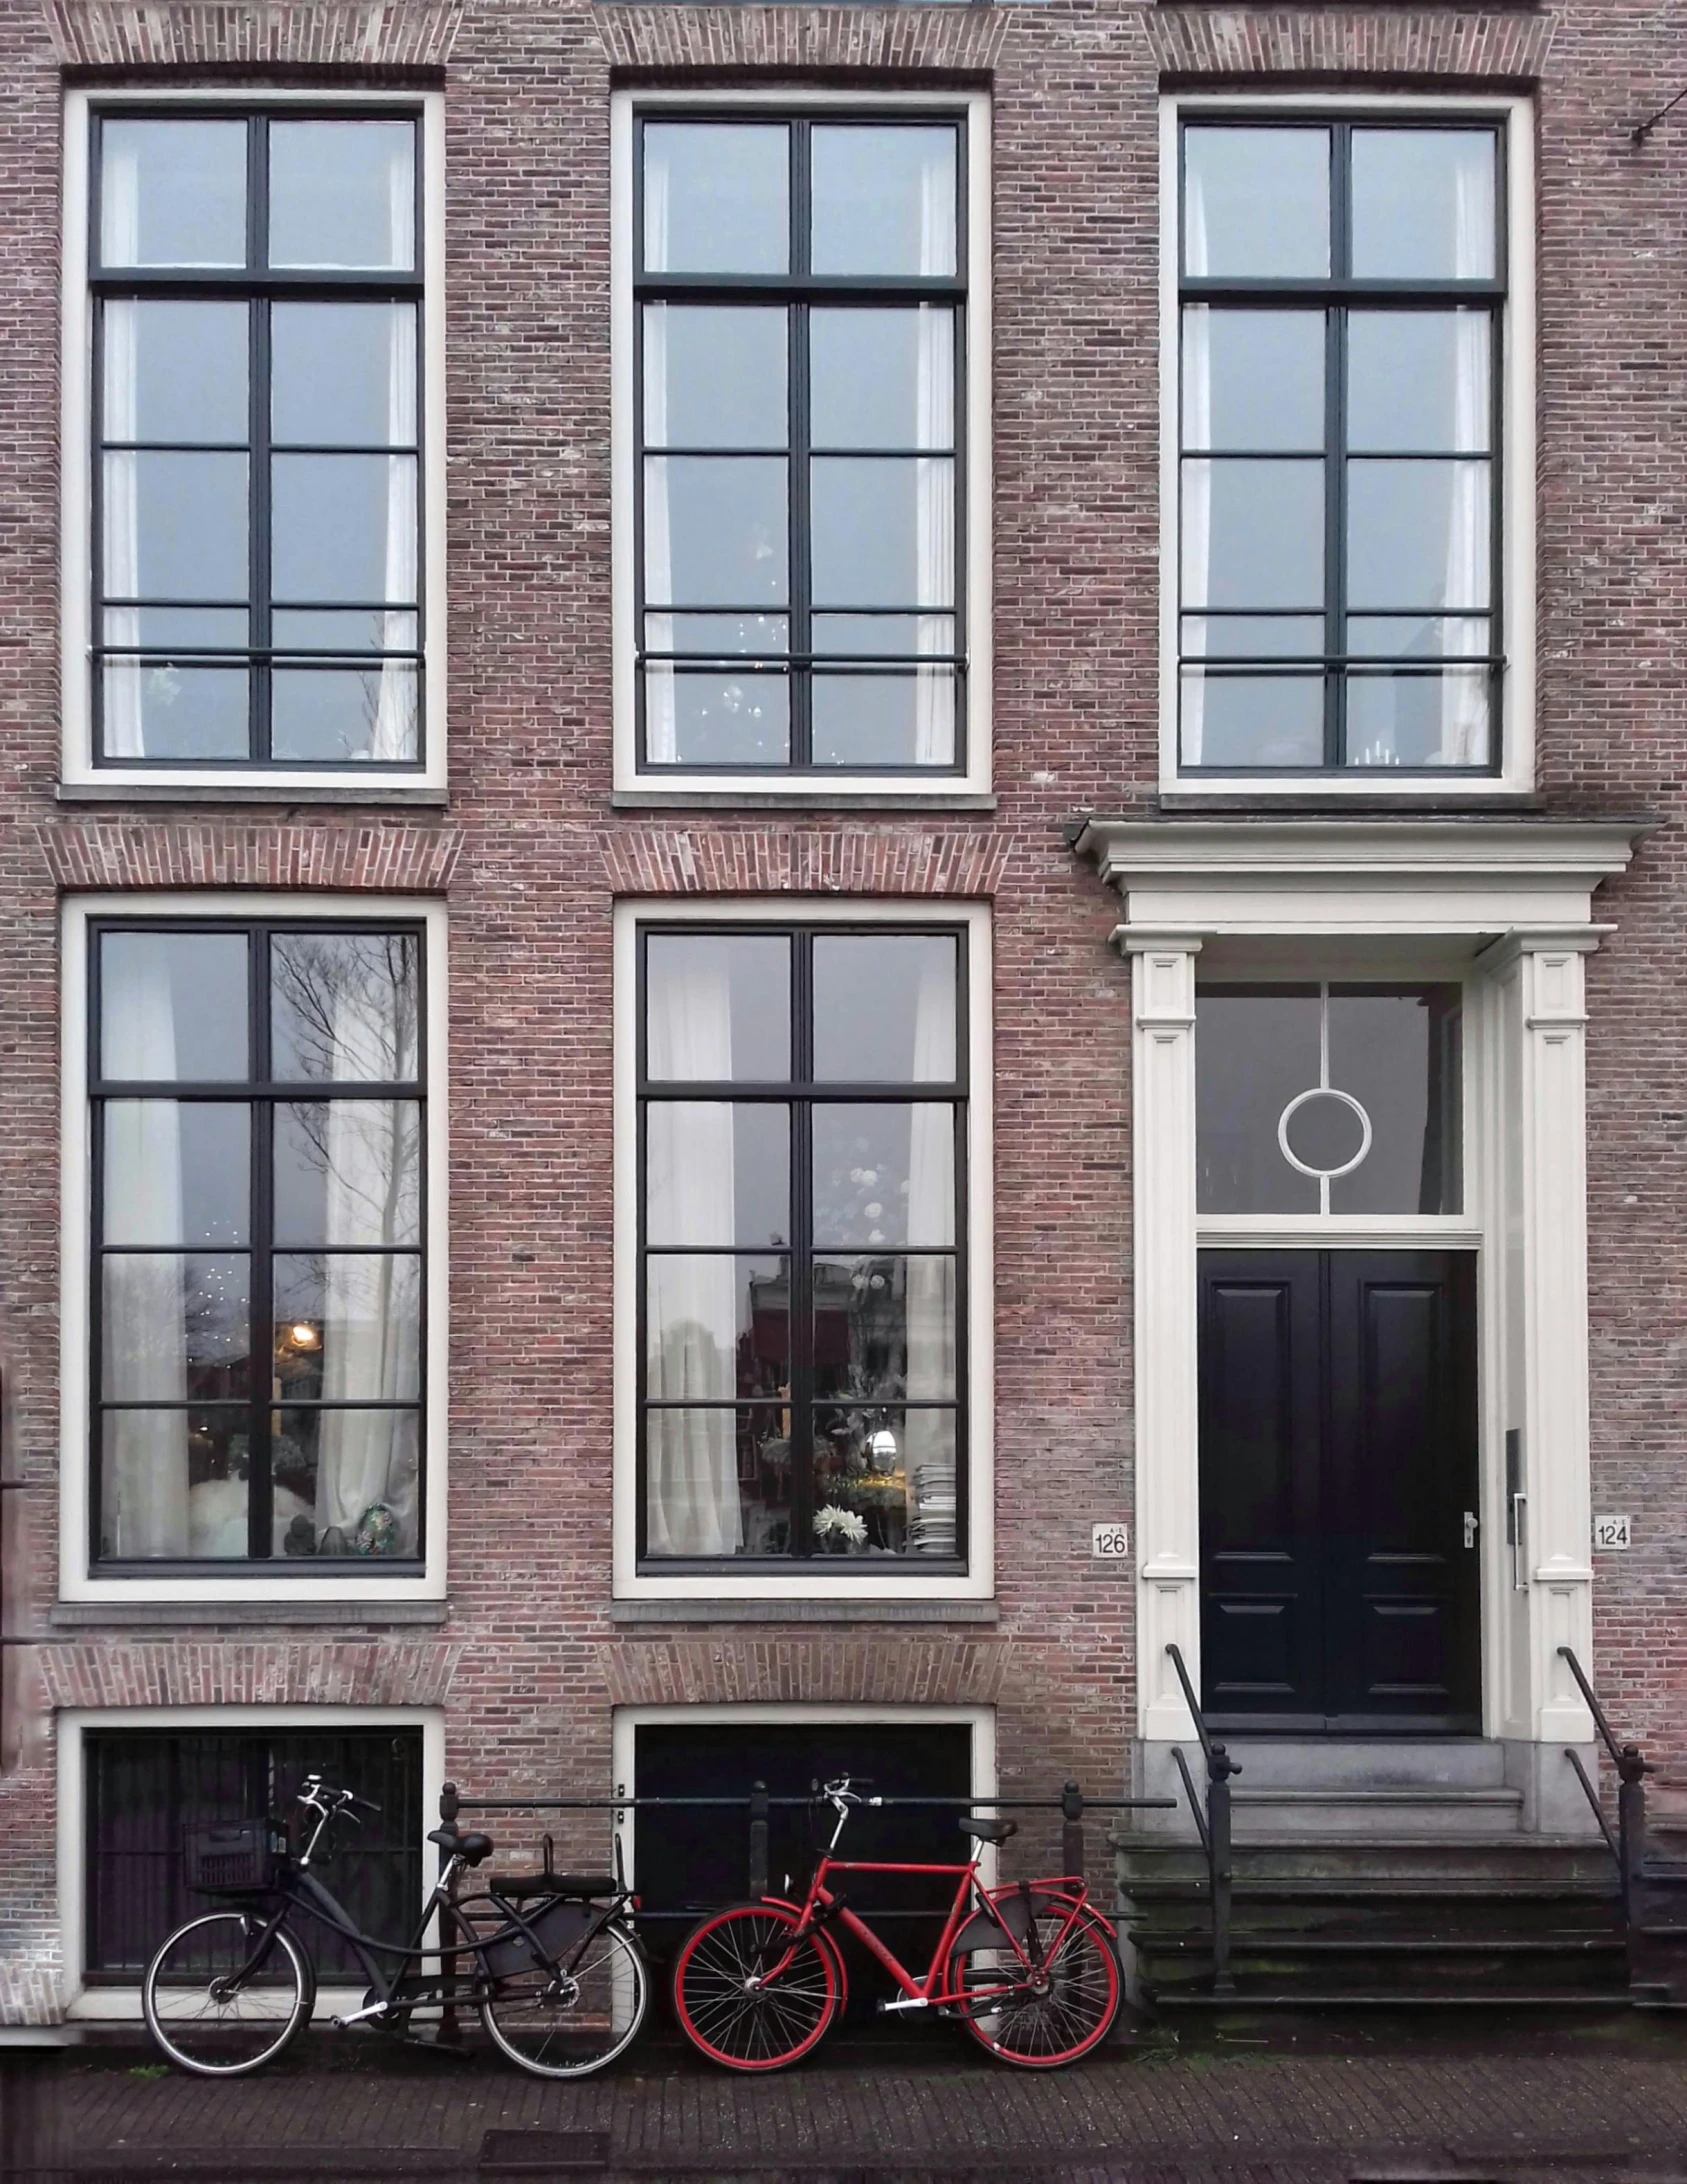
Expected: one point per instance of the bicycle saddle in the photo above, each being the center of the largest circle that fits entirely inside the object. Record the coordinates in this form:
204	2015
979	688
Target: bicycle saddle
987	1831
518	1887
470	1848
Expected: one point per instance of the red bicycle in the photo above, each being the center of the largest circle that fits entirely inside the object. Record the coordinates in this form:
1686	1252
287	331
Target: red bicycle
1031	1970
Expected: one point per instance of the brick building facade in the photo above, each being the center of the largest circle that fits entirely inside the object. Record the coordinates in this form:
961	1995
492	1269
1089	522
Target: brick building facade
530	1631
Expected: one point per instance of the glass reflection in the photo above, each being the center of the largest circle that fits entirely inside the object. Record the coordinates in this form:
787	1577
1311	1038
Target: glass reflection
344	1007
173	1007
884	1175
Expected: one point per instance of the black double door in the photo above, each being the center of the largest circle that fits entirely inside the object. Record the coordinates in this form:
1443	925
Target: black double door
1339	1570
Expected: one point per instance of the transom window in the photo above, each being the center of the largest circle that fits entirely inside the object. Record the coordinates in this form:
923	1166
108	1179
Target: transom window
257	580
1328	1099
799	305
1342	291
258	1129
802	1246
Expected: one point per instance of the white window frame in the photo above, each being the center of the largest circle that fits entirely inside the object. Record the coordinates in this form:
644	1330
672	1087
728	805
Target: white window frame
88	2005
629	1720
77	1579
1517	453
261	783
802	789
978	1581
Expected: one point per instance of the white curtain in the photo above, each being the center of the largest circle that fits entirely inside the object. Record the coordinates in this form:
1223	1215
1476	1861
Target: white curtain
367	1459
1195	521
1464	695
661	717
145	1503
929	1436
934	704
691	1469
120	512
394	727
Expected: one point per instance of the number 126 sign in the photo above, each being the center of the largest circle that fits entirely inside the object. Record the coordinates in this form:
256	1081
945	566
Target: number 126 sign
1109	1543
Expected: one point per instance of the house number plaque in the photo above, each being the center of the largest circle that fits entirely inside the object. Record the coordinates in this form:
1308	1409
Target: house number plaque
1109	1542
1611	1532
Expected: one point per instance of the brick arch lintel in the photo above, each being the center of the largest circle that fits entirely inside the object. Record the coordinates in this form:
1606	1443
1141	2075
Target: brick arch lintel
921	40
1496	45
823	1670
110	1673
410	34
402	858
805	861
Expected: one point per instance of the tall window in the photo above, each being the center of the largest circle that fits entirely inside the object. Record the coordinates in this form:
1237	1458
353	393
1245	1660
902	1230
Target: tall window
258	1129
257	580
799	308
1342	292
802	1249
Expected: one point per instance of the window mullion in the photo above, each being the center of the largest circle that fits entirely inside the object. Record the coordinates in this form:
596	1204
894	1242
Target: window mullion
260	1483
257	433
800	1344
798	436
1335	535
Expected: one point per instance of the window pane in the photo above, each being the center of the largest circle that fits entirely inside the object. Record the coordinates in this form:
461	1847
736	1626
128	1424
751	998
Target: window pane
342	193
324	715
718	1482
885	636
884	199
340	629
1424	204
173	1484
1253	380
348	1172
1252	720
716	197
884	1481
717	1173
344	1007
348	1329
345	1482
716	1327
714	531
885	719
1398	1053
884	1328
173	1006
174	1327
714	376
884	1175
884	1008
883	531
1418	719
174	371
717	1009
173	192
174	709
1256	203
1418	534
176	629
719	636
175	526
1418	637
708	719
1253	533
1255	1049
343	374
882	378
1417	381
344	527
176	1173
1253	636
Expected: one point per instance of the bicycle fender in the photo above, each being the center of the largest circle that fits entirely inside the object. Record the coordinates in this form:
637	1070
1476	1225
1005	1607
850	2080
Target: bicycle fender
982	1931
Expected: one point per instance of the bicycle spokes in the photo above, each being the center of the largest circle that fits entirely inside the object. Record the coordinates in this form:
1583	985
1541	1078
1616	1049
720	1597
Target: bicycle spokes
753	1993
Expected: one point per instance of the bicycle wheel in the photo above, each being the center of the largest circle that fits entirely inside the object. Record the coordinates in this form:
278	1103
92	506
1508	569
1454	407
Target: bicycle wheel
1062	2014
208	2019
564	2020
726	2011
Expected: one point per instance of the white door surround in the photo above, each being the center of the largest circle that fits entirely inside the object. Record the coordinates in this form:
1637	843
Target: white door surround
1506	905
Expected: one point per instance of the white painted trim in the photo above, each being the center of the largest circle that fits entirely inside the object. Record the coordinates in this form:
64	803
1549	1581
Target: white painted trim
122	2004
629	1720
1517	452
979	1581
75	444
1340	1231
75	1579
980	620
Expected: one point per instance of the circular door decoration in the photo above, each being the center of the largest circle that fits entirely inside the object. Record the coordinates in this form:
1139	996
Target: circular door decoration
1347	1107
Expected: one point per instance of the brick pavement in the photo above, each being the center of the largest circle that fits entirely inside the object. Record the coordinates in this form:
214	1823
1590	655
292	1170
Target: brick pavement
1605	2103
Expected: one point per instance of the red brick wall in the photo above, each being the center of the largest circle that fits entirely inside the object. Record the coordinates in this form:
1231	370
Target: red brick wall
530	855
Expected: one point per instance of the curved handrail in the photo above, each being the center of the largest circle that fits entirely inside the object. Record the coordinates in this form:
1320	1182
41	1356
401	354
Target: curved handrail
1220	1765
1626	1758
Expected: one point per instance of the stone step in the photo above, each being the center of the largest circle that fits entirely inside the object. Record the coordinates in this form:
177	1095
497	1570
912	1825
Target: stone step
1266	1814
1385	1861
1372	1763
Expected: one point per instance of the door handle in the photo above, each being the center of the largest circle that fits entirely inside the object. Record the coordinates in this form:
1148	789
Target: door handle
1470	1523
1519	1560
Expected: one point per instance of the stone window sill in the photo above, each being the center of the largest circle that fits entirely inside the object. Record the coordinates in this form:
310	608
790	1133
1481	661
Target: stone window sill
803	1611
244	1614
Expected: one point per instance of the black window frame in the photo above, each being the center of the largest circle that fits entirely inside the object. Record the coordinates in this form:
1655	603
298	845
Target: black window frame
801	290
262	1095
1341	293
799	1094
260	287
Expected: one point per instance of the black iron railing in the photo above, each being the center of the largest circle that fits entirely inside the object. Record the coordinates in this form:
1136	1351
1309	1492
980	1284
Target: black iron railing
1628	1845
1213	1827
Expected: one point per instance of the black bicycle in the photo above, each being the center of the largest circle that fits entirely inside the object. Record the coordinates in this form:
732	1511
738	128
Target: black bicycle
548	1959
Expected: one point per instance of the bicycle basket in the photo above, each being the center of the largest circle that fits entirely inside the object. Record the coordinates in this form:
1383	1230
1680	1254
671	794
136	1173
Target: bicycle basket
235	1859
559	1927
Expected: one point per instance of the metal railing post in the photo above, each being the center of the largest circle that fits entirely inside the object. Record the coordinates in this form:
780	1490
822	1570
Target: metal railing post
449	2030
1220	1768
758	1839
1631	1835
1072	1831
